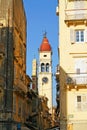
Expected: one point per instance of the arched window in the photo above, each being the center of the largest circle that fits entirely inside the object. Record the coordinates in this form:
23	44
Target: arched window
47	67
42	67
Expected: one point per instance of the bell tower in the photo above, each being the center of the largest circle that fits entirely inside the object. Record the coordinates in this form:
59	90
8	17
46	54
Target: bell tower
45	71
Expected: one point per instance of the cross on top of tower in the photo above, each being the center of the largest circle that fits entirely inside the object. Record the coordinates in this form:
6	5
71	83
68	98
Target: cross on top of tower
45	33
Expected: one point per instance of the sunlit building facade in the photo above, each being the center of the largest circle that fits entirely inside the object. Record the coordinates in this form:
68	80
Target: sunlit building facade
73	64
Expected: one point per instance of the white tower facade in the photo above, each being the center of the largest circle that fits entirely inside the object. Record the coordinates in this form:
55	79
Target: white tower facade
45	71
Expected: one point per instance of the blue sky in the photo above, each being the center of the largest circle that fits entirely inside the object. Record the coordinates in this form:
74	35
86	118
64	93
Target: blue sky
41	17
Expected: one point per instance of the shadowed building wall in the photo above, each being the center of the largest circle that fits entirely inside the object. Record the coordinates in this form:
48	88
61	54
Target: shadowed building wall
13	87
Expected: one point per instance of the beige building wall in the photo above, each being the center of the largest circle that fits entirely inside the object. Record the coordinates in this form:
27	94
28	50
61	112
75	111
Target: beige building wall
73	64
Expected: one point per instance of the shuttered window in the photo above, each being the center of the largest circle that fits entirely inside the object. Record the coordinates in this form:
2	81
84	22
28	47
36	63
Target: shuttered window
81	104
78	36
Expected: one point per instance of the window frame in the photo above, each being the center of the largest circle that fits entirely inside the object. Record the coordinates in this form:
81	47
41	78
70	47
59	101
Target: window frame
42	67
47	67
73	36
81	102
79	36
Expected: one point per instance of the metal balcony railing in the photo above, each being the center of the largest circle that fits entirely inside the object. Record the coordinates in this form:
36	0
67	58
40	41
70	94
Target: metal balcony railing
76	14
77	79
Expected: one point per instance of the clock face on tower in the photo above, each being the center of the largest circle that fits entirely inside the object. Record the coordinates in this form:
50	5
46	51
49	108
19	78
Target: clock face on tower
45	79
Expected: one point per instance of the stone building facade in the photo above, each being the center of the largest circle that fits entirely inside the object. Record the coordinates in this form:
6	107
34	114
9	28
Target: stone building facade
13	80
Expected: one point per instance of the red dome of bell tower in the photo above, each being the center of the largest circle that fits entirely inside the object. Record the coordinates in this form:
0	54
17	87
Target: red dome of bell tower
45	46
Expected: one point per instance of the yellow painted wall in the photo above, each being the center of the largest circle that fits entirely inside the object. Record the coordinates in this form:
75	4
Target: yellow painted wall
71	19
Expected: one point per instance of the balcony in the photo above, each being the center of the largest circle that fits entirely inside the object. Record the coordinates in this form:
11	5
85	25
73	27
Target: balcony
76	15
77	81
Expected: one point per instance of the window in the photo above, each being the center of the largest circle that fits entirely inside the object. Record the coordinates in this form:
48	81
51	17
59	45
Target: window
42	67
47	67
81	102
79	35
78	98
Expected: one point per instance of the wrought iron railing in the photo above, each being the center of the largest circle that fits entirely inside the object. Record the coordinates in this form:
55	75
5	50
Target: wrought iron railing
77	79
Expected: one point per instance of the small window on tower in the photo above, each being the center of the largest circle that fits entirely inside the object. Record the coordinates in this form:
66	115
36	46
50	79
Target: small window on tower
42	67
47	67
45	55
